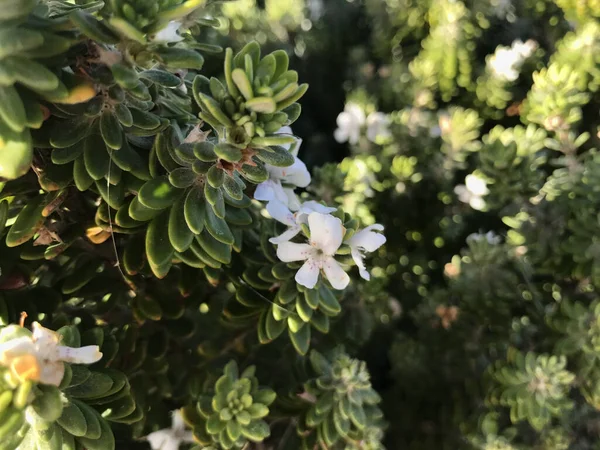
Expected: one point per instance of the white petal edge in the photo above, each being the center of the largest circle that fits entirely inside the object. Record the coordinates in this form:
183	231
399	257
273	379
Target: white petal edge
287	235
308	275
338	278
290	251
83	355
281	213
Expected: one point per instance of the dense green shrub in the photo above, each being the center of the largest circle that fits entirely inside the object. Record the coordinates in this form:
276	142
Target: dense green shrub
132	225
136	153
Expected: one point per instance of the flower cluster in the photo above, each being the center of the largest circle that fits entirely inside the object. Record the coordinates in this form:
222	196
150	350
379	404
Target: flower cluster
171	438
473	191
506	62
326	232
39	357
351	121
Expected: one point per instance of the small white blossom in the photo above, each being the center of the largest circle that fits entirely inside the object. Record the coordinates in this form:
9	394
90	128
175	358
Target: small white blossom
378	126
282	213
473	191
171	438
39	357
169	33
326	235
296	175
349	123
506	62
502	7
491	237
366	240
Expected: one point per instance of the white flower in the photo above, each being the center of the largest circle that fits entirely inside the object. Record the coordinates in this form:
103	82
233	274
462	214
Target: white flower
171	438
506	62
349	123
491	237
169	33
366	240
378	125
326	235
39	357
281	213
296	175
473	192
502	7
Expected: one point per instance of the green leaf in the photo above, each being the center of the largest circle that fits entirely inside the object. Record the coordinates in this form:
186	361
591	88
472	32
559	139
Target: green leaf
111	130
258	411
234	430
214	425
95	385
92	28
158	245
215	198
215	177
96	157
264	105
301	339
242	83
205	151
227	152
125	76
28	222
106	441
357	416
180	58
195	209
158	193
180	234
218	228
48	405
276	156
217	250
12	110
73	420
256	431
328	303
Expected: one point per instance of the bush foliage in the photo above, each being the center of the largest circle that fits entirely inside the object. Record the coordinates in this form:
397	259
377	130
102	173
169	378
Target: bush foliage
173	274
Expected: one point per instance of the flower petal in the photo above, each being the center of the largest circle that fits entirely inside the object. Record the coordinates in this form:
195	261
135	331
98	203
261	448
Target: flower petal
46	342
188	436
285	236
281	213
297	174
476	185
83	355
177	422
477	203
340	135
265	191
338	278
308	275
326	232
51	372
169	33
15	347
356	112
158	438
313	206
293	201
290	251
368	239
359	261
